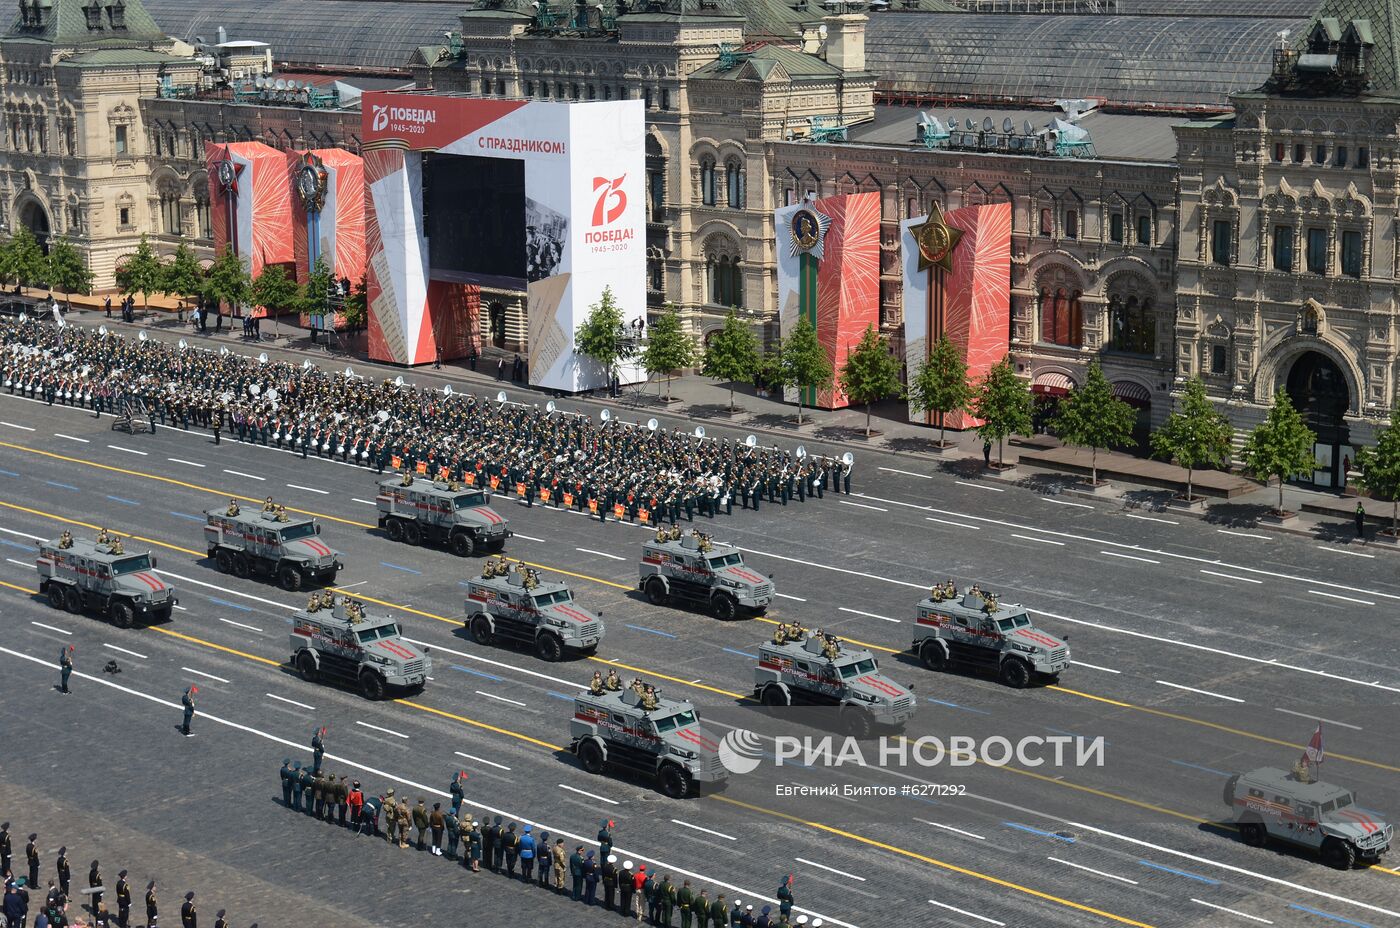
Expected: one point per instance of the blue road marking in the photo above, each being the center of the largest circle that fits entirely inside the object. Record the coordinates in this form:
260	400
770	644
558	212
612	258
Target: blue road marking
186	515
63	486
224	602
654	631
407	570
953	705
1037	831
476	673
1335	918
560	696
15	544
1219	773
741	653
1190	876
9	473
122	499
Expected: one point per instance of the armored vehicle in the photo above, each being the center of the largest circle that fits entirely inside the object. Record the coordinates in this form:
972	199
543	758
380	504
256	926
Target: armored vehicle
694	569
1295	807
99	576
415	510
798	668
269	541
511	603
975	630
638	730
335	639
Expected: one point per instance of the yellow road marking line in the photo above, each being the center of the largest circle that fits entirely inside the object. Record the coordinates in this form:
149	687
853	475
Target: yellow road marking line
216	647
15	586
933	861
662	676
56	517
465	720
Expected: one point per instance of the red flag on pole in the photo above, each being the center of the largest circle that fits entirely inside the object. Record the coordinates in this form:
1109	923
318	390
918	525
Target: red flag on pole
1314	753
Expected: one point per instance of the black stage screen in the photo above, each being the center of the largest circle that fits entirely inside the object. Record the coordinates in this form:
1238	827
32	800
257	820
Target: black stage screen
474	215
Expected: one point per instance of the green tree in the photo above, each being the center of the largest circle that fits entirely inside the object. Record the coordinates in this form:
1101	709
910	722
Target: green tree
668	347
1281	446
356	312
1092	417
318	284
602	337
274	290
1195	435
67	271
732	354
25	264
870	373
940	384
802	362
183	277
1380	471
1003	403
141	272
227	281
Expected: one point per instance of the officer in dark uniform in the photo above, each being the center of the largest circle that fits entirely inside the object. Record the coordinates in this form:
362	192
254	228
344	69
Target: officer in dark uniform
318	749
490	837
189	917
685	898
65	667
6	848
187	701
665	897
719	912
610	881
785	897
94	884
307	790
286	774
510	843
605	841
457	792
123	900
220	921
152	911
31	855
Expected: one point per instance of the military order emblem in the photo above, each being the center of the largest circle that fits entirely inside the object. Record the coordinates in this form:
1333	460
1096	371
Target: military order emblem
936	240
228	175
807	231
310	182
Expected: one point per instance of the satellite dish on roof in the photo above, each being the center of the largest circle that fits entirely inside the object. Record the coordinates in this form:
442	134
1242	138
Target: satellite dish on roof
986	124
1027	128
279	84
751	440
1008	126
258	83
699	431
971	123
652	424
604	414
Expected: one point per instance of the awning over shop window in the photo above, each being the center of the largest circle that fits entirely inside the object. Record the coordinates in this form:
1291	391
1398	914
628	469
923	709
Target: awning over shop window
1134	394
1053	384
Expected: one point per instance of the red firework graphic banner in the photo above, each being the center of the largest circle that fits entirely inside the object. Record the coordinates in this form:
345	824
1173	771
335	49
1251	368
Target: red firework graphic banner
342	218
848	281
249	200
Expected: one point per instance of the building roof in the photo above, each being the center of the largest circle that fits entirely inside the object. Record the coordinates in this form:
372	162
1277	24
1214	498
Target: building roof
1161	61
112	57
65	23
1379	18
1277	9
762	61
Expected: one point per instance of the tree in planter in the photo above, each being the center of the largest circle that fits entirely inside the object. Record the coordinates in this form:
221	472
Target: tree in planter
668	347
356	312
940	384
1195	435
802	362
141	272
227	281
1281	446
1092	417
1380	471
24	259
732	355
183	277
602	338
67	271
275	291
870	373
1003	403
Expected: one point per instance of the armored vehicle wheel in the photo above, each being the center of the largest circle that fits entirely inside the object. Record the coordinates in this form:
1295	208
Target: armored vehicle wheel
462	544
656	591
289	578
773	696
241	567
412	533
723	607
857	722
224	561
549	647
371	686
306	666
674	781
1253	833
123	616
1014	673
72	600
481	629
56	595
591	757
934	656
1338	853
395	530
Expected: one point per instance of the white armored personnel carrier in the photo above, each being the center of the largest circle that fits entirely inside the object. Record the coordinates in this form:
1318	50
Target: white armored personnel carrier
271	541
510	602
78	574
415	509
338	641
821	670
1270	803
691	568
975	630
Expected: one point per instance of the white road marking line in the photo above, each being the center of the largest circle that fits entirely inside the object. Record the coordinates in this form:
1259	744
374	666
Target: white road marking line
17	534
1216	573
250	628
839	570
124	651
1192	689
1342	551
978	486
811	863
611	802
907	473
513	702
223	589
1044	541
181	608
1308	715
862	505
780	595
291	701
203	674
527	537
183	461
1226	531
572	684
297	486
1079	663
356	499
951	828
10	560
51	628
348	586
1130	557
1065	502
239	473
717	834
868	615
482	760
71	438
387	731
17	426
1149	519
128	450
980	918
1111	876
1221	908
1348	599
601	554
975	528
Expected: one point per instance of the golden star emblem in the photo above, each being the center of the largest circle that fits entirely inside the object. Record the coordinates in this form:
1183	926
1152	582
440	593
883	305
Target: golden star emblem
936	240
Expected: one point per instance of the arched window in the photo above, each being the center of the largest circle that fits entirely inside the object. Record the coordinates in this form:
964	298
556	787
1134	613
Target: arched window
1061	319
1047	221
726	280
734	183
1134	324
170	209
707	181
203	221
